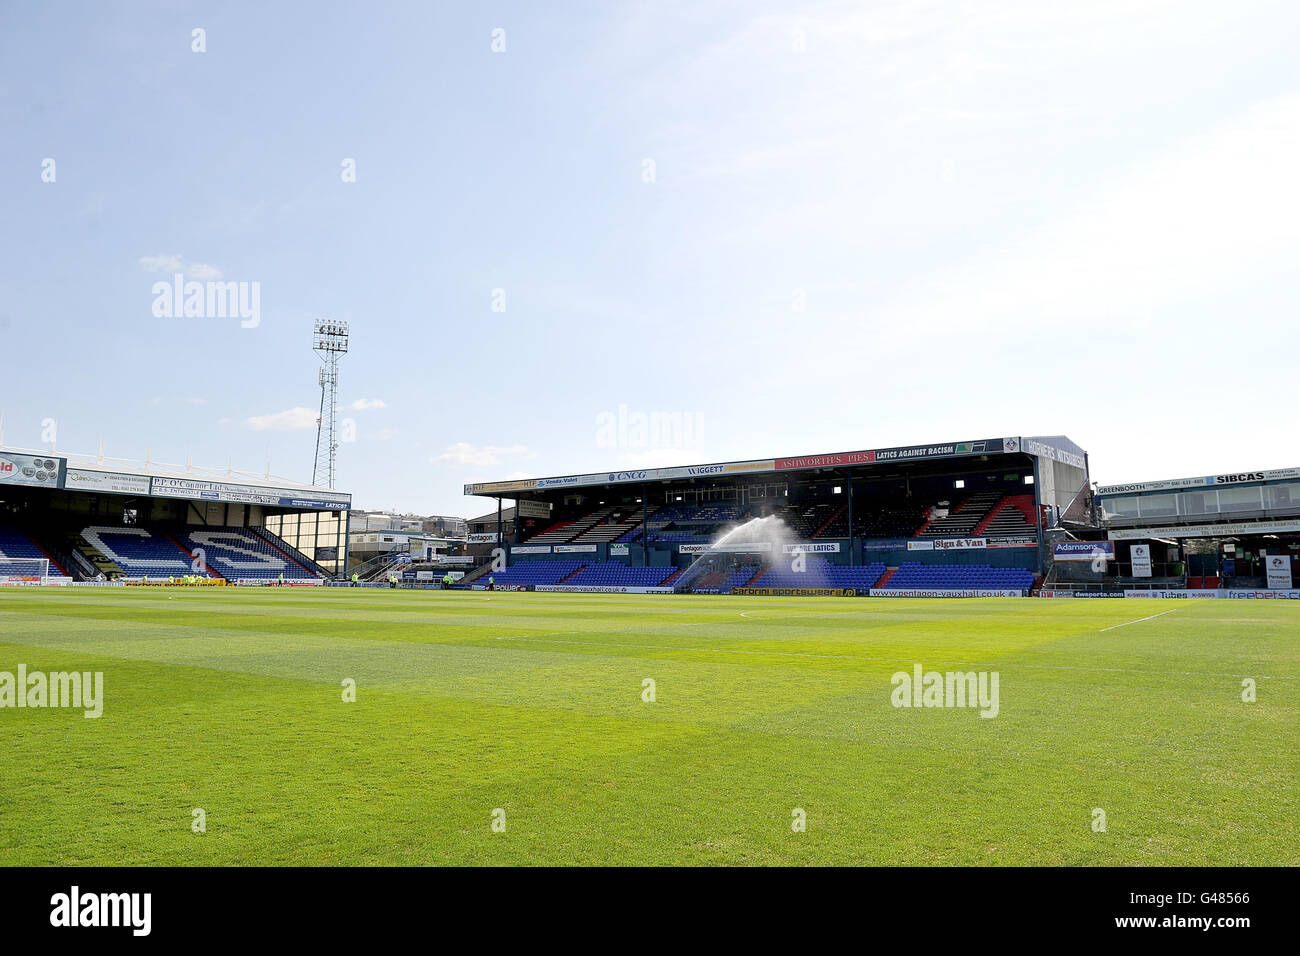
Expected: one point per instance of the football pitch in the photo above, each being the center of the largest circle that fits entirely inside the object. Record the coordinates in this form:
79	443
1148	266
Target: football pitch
527	728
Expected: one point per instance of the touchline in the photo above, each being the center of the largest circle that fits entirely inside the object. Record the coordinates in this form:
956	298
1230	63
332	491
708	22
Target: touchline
76	689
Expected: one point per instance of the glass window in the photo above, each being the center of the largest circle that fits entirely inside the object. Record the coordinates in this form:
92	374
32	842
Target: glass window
1239	499
1159	506
1121	507
1198	503
1282	496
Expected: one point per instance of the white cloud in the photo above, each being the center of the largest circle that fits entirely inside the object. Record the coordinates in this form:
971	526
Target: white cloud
162	263
290	420
202	271
196	401
366	404
464	453
167	262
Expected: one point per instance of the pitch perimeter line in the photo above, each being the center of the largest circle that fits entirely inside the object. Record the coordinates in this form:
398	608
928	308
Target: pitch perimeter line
887	660
1139	620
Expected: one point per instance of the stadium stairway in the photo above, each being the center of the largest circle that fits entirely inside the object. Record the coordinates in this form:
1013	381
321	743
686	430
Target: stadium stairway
60	560
596	522
827	523
289	551
81	567
570	577
137	552
385	569
804	518
740	578
1014	514
696	576
556	533
962	520
619	524
237	553
78	545
369	569
712	579
583	525
474	575
194	559
23	548
979	529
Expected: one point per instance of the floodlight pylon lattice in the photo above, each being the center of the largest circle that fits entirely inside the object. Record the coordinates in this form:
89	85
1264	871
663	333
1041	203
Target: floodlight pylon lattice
330	342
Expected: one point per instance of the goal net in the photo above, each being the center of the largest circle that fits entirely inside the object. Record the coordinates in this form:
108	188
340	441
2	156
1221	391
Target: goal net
18	570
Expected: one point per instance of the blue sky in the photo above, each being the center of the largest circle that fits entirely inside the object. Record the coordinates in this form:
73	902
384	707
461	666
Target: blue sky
798	228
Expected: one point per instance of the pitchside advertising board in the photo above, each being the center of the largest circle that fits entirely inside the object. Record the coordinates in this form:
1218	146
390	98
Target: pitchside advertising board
1084	551
595	589
943	592
1278	568
38	471
756	547
761	547
1236	594
949	544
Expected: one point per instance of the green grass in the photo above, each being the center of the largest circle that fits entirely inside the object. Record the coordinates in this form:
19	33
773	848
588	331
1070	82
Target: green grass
232	701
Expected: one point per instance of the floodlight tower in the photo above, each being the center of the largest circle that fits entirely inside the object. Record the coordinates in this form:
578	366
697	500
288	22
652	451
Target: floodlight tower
330	342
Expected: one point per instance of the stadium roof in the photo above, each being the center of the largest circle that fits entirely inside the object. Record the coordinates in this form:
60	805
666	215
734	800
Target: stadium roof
1054	447
507	514
1175	484
96	474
